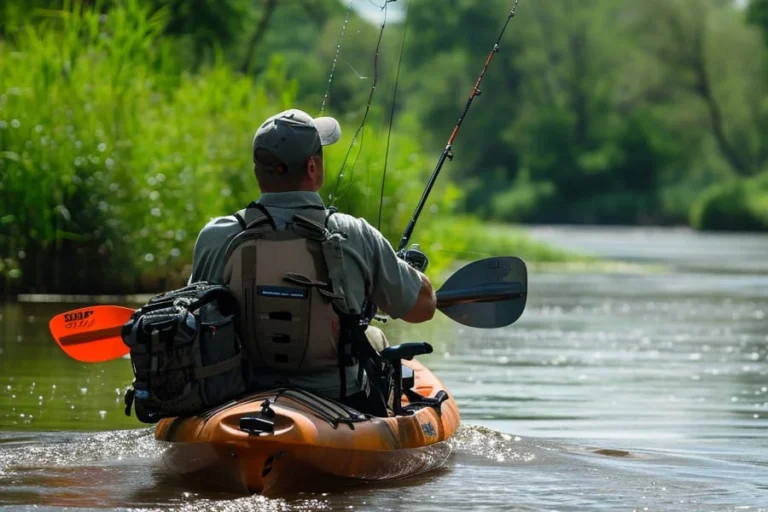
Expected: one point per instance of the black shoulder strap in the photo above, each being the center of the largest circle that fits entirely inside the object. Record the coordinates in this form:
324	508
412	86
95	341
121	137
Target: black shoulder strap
263	210
240	219
240	216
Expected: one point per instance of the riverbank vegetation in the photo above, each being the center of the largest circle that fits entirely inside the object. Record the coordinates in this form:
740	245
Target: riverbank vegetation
115	152
125	124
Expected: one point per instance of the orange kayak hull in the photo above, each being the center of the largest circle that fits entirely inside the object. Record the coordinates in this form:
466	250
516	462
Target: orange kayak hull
307	448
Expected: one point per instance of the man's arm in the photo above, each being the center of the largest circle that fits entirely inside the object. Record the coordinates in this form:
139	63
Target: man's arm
210	250
426	303
398	289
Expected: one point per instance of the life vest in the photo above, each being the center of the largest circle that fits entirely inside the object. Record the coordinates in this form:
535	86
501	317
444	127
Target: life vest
290	285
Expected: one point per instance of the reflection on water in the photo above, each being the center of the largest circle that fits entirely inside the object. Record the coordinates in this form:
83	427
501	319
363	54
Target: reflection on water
614	391
681	368
489	471
43	389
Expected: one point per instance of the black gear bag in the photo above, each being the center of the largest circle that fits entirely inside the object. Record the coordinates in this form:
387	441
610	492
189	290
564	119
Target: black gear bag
186	353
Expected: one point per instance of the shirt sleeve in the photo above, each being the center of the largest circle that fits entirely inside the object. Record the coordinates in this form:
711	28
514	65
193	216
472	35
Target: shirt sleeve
210	250
395	284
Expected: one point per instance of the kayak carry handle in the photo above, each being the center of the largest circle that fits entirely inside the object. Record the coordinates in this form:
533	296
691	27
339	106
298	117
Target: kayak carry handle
256	426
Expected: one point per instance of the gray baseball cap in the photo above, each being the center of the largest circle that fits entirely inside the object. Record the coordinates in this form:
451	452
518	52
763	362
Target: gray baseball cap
294	137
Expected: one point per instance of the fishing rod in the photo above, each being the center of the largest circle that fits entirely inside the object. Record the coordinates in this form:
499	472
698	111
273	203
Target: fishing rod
360	130
448	151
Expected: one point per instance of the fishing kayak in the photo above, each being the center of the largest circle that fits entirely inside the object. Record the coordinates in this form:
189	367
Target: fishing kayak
291	440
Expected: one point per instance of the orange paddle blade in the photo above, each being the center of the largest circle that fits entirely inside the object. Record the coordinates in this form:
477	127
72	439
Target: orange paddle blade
91	335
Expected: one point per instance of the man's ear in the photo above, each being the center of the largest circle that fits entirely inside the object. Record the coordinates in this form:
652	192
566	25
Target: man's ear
311	168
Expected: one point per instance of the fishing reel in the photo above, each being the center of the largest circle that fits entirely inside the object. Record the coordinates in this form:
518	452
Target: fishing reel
415	258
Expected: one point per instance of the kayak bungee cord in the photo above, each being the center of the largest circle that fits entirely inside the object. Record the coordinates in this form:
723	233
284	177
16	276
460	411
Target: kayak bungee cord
360	130
448	151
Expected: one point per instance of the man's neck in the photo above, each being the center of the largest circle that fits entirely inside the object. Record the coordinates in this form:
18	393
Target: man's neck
293	199
306	187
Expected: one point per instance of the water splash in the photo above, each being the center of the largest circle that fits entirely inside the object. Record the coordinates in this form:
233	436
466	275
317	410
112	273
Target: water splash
491	445
82	450
249	504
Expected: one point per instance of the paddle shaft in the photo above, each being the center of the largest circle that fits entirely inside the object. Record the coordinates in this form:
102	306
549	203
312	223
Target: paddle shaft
93	334
485	293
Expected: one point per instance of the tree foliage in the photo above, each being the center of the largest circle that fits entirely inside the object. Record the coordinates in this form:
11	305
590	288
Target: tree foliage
111	159
596	111
757	14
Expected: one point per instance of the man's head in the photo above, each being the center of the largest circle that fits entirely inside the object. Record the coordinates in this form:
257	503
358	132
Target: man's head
288	151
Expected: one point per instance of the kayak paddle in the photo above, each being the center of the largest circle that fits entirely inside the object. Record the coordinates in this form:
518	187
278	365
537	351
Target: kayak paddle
91	335
487	294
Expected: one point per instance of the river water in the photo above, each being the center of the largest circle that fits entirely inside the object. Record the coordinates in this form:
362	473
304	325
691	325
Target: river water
644	387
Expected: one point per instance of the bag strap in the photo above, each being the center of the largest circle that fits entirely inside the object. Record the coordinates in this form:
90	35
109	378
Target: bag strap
351	336
334	259
220	293
262	217
265	213
203	372
240	217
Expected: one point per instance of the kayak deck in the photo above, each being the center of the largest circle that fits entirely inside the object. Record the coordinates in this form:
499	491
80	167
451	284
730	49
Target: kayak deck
311	438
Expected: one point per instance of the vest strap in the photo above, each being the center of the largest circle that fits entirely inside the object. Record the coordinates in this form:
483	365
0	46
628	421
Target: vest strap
239	216
334	258
264	212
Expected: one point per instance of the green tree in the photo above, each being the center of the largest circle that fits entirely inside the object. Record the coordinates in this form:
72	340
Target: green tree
695	41
561	122
602	111
757	14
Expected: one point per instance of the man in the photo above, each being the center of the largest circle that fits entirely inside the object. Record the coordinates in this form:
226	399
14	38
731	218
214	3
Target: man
288	164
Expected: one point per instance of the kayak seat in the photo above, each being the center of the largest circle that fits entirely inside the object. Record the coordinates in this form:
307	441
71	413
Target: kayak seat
405	351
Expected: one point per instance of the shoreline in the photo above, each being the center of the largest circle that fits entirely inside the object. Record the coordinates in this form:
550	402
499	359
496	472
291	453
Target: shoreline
142	298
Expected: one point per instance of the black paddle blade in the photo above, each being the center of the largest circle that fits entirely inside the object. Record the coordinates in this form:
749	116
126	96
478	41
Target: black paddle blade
489	293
